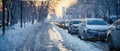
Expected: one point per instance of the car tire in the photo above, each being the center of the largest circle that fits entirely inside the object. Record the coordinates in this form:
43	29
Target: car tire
102	40
78	35
110	43
83	37
69	31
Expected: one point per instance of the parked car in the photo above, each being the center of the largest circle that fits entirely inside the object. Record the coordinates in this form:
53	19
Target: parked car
66	24
93	29
113	36
73	26
61	24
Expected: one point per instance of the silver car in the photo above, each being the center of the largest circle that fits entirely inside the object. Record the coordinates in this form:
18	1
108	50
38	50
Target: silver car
113	36
93	29
73	25
67	24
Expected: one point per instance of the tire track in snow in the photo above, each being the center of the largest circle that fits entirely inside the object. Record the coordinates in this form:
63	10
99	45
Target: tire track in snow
56	37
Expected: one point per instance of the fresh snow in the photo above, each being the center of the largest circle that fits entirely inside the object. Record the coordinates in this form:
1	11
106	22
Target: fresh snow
15	35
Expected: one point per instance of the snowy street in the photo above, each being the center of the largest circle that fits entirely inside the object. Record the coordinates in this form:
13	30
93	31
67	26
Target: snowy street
59	25
46	37
39	41
35	39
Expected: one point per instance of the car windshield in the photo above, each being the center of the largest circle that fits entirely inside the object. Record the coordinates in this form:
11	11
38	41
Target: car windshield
96	22
67	22
76	22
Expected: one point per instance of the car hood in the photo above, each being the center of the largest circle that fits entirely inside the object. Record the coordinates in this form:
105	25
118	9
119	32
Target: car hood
97	27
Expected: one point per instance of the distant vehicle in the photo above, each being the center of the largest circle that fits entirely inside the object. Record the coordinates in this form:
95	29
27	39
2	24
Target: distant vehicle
55	22
61	24
93	29
113	36
73	26
66	24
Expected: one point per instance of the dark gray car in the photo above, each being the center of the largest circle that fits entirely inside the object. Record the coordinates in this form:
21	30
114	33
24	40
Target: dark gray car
113	36
73	26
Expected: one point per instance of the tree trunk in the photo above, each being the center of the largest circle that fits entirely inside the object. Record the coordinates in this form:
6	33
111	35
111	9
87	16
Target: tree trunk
21	16
3	17
108	8
8	17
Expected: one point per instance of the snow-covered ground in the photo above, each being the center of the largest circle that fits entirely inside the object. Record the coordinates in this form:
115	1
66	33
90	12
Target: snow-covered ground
75	44
15	35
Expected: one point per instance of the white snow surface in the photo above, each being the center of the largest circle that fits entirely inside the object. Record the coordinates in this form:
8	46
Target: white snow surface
16	35
74	43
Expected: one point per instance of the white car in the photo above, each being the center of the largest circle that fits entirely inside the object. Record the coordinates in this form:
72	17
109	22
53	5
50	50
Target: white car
73	25
93	29
67	24
113	36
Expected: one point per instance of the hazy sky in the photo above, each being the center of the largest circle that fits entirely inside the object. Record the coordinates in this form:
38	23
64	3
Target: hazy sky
63	3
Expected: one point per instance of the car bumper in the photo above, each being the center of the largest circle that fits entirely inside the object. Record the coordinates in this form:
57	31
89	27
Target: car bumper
97	35
74	30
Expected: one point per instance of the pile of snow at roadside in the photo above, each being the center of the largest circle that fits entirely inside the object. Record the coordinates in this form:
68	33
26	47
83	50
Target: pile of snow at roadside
15	35
74	43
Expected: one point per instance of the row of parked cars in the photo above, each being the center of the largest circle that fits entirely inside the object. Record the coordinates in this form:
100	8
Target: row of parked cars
89	28
95	29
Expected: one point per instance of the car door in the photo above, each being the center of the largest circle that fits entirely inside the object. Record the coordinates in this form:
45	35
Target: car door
69	27
115	33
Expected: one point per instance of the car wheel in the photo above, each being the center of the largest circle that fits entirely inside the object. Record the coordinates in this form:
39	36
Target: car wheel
110	43
83	37
102	40
79	36
69	31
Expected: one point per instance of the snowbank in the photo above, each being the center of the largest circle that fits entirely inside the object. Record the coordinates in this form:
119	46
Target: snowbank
16	35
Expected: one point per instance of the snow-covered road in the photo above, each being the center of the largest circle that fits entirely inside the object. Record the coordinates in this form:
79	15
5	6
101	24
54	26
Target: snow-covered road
46	37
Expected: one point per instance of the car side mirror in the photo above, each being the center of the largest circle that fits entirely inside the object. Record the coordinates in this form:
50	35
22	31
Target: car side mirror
118	27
